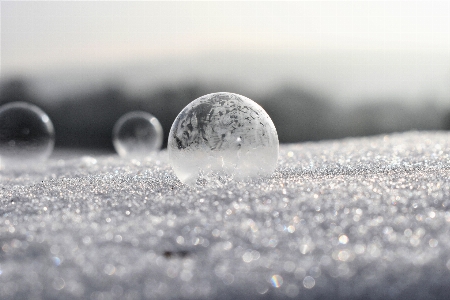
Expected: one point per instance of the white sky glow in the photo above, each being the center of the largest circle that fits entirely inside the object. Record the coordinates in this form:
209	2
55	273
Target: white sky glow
38	36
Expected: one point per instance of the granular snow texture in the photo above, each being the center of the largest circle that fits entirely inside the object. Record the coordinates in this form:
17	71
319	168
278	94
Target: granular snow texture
348	219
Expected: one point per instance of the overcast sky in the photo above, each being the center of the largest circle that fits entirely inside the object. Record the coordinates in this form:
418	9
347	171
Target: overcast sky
371	42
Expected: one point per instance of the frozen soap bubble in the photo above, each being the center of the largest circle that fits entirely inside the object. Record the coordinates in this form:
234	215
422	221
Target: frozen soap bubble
26	135
137	134
222	136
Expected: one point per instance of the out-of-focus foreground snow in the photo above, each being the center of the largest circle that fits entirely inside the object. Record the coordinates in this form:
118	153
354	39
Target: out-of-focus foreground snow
355	218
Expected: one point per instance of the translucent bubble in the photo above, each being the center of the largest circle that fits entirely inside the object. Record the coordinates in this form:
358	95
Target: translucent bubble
137	134
220	137
26	134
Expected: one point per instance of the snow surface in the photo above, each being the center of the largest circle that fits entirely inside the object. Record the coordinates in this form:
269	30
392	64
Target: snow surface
355	218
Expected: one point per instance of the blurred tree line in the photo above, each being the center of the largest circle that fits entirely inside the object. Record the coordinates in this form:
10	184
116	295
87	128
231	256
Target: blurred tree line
86	120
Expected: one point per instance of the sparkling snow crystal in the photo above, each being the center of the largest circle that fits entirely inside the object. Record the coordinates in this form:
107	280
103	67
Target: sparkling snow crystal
348	219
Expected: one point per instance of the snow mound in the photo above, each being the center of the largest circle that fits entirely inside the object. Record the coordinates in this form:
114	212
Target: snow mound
347	219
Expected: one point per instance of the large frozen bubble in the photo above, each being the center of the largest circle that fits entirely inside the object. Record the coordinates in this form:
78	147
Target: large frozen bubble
220	137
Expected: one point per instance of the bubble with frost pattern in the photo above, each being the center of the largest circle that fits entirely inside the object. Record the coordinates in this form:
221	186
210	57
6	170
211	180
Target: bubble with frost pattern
137	134
26	134
222	136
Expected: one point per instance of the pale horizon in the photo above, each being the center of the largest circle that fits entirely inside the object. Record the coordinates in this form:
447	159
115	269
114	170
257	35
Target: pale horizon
351	50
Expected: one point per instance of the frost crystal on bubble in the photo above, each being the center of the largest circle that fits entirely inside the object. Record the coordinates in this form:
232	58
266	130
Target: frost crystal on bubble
222	136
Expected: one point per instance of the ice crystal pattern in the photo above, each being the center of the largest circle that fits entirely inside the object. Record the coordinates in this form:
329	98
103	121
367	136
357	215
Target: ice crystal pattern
222	136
